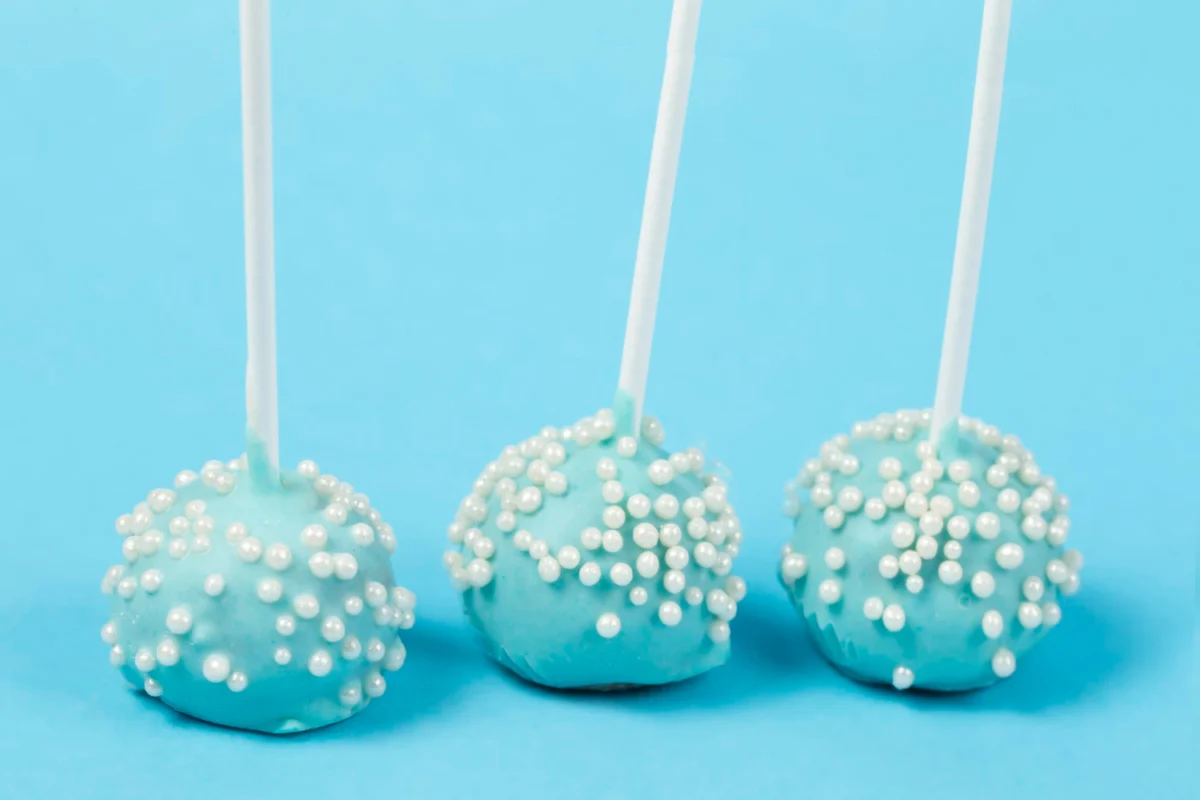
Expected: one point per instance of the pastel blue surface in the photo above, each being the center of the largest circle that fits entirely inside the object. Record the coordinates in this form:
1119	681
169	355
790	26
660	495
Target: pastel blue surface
459	187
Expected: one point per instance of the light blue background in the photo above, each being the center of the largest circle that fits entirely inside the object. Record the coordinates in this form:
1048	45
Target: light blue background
458	190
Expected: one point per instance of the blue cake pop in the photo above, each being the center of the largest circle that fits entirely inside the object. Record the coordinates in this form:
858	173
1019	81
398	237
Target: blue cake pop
919	572
265	605
591	558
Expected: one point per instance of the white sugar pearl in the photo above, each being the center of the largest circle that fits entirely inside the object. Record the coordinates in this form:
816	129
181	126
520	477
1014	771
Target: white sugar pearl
952	550
589	574
889	567
127	587
677	557
873	608
606	469
612	541
1004	663
590	538
306	606
674	581
168	653
345	566
638	596
129	548
666	506
821	496
375	593
1034	528
179	620
639	506
144	660
1008	501
705	554
875	509
116	656
894	494
151	581
670	534
178	548
795	566
893	618
620	574
969	494
834	517
568	557
108	633
849	465
314	536
627	447
320	564
983	584
921	483
214	584
903	535
1033	588
613	516
941	505
850	499
612	492
950	572
1056	534
993	624
1051	614
735	587
996	476
216	668
249	549
149	542
914	583
556	484
959	527
987	525
669	613
184	478
910	562
337	513
178	526
902	678
608	625
697	528
375	685
645	535
529	500
835	558
375	650
830	591
927	547
1010	555
661	472
889	468
353	605
959	470
320	663
269	590
549	569
1057	571
1029	615
479	573
482	547
1073	559
916	504
647	564
930	523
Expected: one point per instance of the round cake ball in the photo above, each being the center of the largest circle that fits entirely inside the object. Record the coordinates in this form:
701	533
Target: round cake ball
272	609
922	571
595	559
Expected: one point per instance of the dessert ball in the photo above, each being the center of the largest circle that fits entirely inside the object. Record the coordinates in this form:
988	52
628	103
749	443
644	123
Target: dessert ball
930	571
592	558
272	609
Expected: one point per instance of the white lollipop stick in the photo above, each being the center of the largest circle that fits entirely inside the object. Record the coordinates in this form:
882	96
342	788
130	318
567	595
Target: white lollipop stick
972	216
656	213
262	404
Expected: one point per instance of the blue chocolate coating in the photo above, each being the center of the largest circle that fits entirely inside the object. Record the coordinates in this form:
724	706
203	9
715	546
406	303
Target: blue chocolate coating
549	631
944	642
235	625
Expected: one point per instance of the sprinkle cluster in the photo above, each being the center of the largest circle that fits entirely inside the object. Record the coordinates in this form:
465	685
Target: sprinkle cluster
934	516
647	540
163	530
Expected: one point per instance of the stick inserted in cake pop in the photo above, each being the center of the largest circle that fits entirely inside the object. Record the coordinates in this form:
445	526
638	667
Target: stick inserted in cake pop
262	404
656	212
972	216
266	603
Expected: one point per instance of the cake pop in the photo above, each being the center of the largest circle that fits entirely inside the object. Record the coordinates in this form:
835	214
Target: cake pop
589	556
251	597
928	548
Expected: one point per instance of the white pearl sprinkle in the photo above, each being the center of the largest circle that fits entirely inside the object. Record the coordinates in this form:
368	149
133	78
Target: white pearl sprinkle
952	550
647	564
179	620
835	558
902	678
829	591
795	566
893	618
987	525
1051	614
669	613
873	608
216	668
249	550
1004	663
875	509
950	572
320	663
345	566
1010	555
992	624
889	566
306	606
608	625
983	584
638	596
590	573
269	590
